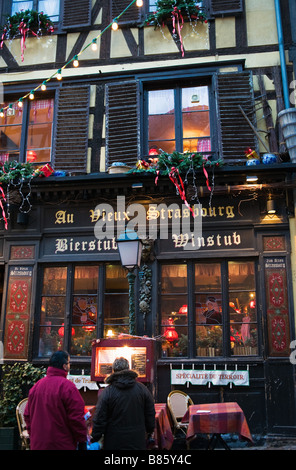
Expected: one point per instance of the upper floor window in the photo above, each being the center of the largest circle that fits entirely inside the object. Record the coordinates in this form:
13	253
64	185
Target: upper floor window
50	7
179	119
26	133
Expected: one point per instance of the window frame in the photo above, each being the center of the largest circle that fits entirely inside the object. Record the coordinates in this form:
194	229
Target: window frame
69	297
25	125
191	320
168	82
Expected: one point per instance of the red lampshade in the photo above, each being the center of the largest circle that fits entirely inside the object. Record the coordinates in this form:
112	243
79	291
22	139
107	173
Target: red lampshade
183	310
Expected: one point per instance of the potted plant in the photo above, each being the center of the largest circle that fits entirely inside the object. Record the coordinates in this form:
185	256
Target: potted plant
16	381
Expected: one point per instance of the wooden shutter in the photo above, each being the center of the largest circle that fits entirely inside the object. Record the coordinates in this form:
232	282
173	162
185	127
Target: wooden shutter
71	124
225	7
122	122
130	16
76	13
235	134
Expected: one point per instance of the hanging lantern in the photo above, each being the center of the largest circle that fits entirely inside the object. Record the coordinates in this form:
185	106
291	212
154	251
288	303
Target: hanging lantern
61	331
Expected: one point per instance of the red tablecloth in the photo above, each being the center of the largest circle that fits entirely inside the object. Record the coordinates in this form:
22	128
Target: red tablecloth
163	432
217	418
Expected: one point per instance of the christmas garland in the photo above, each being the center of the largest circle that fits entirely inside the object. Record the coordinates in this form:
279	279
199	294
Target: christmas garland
22	23
175	11
15	174
165	10
175	165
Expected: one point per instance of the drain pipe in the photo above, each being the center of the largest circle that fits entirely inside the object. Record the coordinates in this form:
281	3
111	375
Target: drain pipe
282	53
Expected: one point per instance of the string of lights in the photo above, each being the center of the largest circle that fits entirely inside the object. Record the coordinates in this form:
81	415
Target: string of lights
74	60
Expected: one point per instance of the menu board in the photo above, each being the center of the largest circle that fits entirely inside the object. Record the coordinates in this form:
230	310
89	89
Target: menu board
135	356
139	354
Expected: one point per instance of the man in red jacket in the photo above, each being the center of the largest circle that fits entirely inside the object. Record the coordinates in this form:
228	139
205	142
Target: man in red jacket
54	413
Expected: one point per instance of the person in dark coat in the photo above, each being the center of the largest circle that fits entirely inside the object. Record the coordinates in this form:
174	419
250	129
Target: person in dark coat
125	410
54	413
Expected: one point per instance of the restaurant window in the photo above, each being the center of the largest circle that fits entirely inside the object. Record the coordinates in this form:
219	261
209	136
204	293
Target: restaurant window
225	318
89	287
50	7
179	119
53	309
84	309
116	302
26	133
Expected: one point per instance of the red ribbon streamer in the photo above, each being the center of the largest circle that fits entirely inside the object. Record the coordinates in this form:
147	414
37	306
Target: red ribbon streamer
2	207
172	175
176	15
207	178
23	30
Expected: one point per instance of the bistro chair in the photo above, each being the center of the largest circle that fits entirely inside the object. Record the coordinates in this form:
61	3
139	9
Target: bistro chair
178	403
25	441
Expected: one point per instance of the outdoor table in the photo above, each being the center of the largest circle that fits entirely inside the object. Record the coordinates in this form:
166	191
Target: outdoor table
163	432
216	419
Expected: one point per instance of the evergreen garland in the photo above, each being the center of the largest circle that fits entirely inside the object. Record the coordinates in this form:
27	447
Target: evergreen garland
165	8
183	162
33	21
14	172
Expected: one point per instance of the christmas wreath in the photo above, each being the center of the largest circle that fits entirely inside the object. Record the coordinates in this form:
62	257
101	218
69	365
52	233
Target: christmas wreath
26	22
175	11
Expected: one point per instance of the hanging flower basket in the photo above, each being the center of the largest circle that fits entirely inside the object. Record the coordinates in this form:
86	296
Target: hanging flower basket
25	23
175	12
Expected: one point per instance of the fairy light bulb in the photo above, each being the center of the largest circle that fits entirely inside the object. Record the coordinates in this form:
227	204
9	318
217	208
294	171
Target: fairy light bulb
75	61
43	86
115	25
59	74
20	103
139	3
31	95
94	45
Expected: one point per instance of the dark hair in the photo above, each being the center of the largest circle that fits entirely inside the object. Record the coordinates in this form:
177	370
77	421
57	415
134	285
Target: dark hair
119	364
58	359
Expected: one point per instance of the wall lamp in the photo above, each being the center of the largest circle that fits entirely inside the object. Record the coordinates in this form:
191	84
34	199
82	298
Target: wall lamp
130	251
251	178
270	205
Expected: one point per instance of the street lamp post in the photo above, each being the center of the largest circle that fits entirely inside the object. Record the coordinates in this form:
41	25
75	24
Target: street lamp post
130	250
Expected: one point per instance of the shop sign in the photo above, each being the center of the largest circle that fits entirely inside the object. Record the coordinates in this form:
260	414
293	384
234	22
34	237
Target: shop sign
83	381
203	377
